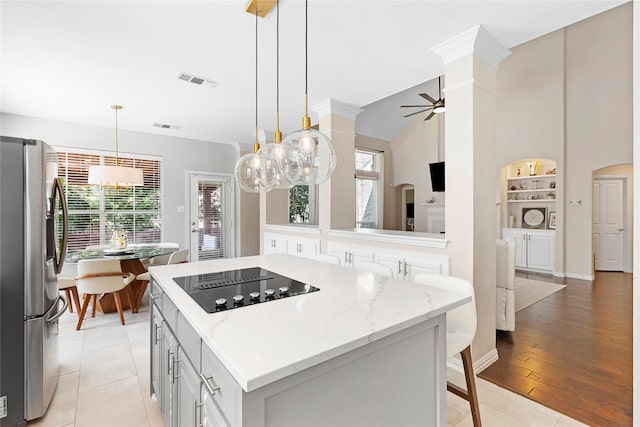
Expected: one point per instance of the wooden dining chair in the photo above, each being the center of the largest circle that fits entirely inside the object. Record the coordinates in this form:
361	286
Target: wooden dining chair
68	285
100	276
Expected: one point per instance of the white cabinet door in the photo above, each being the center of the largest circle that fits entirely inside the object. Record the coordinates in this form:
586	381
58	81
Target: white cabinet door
350	254
406	265
392	260
302	247
188	391
274	244
521	245
540	251
414	265
156	352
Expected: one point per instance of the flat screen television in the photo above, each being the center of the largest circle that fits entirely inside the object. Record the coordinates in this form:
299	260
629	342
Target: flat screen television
437	176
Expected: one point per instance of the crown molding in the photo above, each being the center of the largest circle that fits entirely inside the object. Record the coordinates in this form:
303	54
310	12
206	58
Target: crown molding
477	41
332	106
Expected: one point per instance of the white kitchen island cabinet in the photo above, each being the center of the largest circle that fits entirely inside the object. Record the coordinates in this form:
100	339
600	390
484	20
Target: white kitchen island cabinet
364	350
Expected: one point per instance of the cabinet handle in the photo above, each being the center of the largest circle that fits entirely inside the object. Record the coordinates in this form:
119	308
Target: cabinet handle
399	264
154	297
176	363
351	257
197	420
169	361
158	332
205	381
346	259
406	269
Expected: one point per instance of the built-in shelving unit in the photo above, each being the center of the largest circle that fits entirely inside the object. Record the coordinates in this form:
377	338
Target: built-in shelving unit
529	183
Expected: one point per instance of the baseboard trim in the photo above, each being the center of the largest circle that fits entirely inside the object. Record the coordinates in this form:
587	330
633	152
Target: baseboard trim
479	365
588	277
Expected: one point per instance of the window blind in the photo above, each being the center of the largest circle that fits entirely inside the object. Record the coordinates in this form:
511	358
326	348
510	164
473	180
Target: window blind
94	213
212	220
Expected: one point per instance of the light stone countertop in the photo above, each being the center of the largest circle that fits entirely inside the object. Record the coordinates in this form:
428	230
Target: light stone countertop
263	343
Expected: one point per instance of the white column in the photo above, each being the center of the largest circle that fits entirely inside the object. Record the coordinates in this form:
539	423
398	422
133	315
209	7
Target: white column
471	172
336	204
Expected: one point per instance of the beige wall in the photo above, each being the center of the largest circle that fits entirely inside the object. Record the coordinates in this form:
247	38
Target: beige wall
412	150
598	119
566	96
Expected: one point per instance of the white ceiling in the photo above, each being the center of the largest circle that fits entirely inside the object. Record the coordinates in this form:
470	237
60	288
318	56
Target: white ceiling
71	60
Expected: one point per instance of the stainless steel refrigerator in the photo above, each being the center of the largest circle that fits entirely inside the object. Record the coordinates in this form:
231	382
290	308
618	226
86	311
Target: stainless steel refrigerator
33	235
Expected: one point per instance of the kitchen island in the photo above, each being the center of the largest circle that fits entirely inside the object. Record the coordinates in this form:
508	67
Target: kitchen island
362	350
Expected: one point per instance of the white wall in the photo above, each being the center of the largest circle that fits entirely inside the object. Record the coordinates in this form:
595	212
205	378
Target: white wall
179	155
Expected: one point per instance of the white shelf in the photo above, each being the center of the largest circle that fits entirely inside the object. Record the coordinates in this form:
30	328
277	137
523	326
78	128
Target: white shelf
532	201
517	178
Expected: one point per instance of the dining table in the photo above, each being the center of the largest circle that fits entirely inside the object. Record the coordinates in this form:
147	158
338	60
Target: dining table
131	261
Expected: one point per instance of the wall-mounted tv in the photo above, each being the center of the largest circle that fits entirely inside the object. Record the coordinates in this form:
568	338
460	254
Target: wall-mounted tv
437	176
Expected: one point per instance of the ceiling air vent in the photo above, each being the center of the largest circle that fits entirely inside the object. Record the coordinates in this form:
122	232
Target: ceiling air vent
165	126
200	81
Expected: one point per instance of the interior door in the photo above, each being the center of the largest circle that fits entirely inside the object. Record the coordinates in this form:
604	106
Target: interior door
211	213
608	223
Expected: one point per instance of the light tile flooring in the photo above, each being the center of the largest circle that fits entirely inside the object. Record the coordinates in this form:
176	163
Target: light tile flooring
104	381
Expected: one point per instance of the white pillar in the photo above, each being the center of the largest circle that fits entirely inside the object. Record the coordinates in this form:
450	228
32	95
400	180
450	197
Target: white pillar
336	204
471	172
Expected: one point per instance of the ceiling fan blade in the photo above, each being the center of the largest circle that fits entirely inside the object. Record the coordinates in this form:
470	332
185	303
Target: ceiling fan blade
417	112
416	106
429	116
427	97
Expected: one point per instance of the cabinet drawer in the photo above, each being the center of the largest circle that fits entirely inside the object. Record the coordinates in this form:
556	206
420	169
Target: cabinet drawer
226	396
156	294
170	312
189	340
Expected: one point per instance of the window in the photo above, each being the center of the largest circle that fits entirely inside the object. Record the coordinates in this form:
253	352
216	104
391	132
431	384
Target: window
302	204
368	189
95	213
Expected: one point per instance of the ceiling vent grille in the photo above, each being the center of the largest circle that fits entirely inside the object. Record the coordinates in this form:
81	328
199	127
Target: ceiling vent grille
200	81
166	126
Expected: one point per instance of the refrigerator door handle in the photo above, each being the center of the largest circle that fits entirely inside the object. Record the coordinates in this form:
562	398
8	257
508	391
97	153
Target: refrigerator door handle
60	312
58	192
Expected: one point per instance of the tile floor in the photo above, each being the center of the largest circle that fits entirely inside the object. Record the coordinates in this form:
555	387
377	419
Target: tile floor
104	381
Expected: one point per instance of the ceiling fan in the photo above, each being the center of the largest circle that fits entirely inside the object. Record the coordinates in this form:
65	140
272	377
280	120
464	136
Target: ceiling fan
437	106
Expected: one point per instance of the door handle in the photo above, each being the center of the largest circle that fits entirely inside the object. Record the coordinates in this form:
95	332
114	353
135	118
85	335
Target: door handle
194	230
620	229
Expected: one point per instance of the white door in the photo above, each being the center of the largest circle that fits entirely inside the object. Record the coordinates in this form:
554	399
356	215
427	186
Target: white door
211	212
608	223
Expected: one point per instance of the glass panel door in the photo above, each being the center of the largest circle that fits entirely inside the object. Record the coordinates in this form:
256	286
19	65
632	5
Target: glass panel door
211	212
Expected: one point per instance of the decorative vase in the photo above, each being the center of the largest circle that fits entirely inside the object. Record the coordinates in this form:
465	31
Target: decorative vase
119	239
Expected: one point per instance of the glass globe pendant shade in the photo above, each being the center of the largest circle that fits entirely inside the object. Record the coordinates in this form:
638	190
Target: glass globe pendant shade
247	173
310	157
271	175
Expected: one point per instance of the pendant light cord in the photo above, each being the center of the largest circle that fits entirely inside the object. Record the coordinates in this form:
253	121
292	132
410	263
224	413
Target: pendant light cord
306	65
116	135
277	66
256	141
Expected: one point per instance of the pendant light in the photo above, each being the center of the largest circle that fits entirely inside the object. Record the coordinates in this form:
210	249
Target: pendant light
115	176
272	175
308	156
249	168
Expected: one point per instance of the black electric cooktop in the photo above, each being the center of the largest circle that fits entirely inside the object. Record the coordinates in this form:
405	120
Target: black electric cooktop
232	289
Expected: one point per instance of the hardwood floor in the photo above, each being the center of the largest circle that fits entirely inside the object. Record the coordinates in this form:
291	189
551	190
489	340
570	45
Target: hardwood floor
573	350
